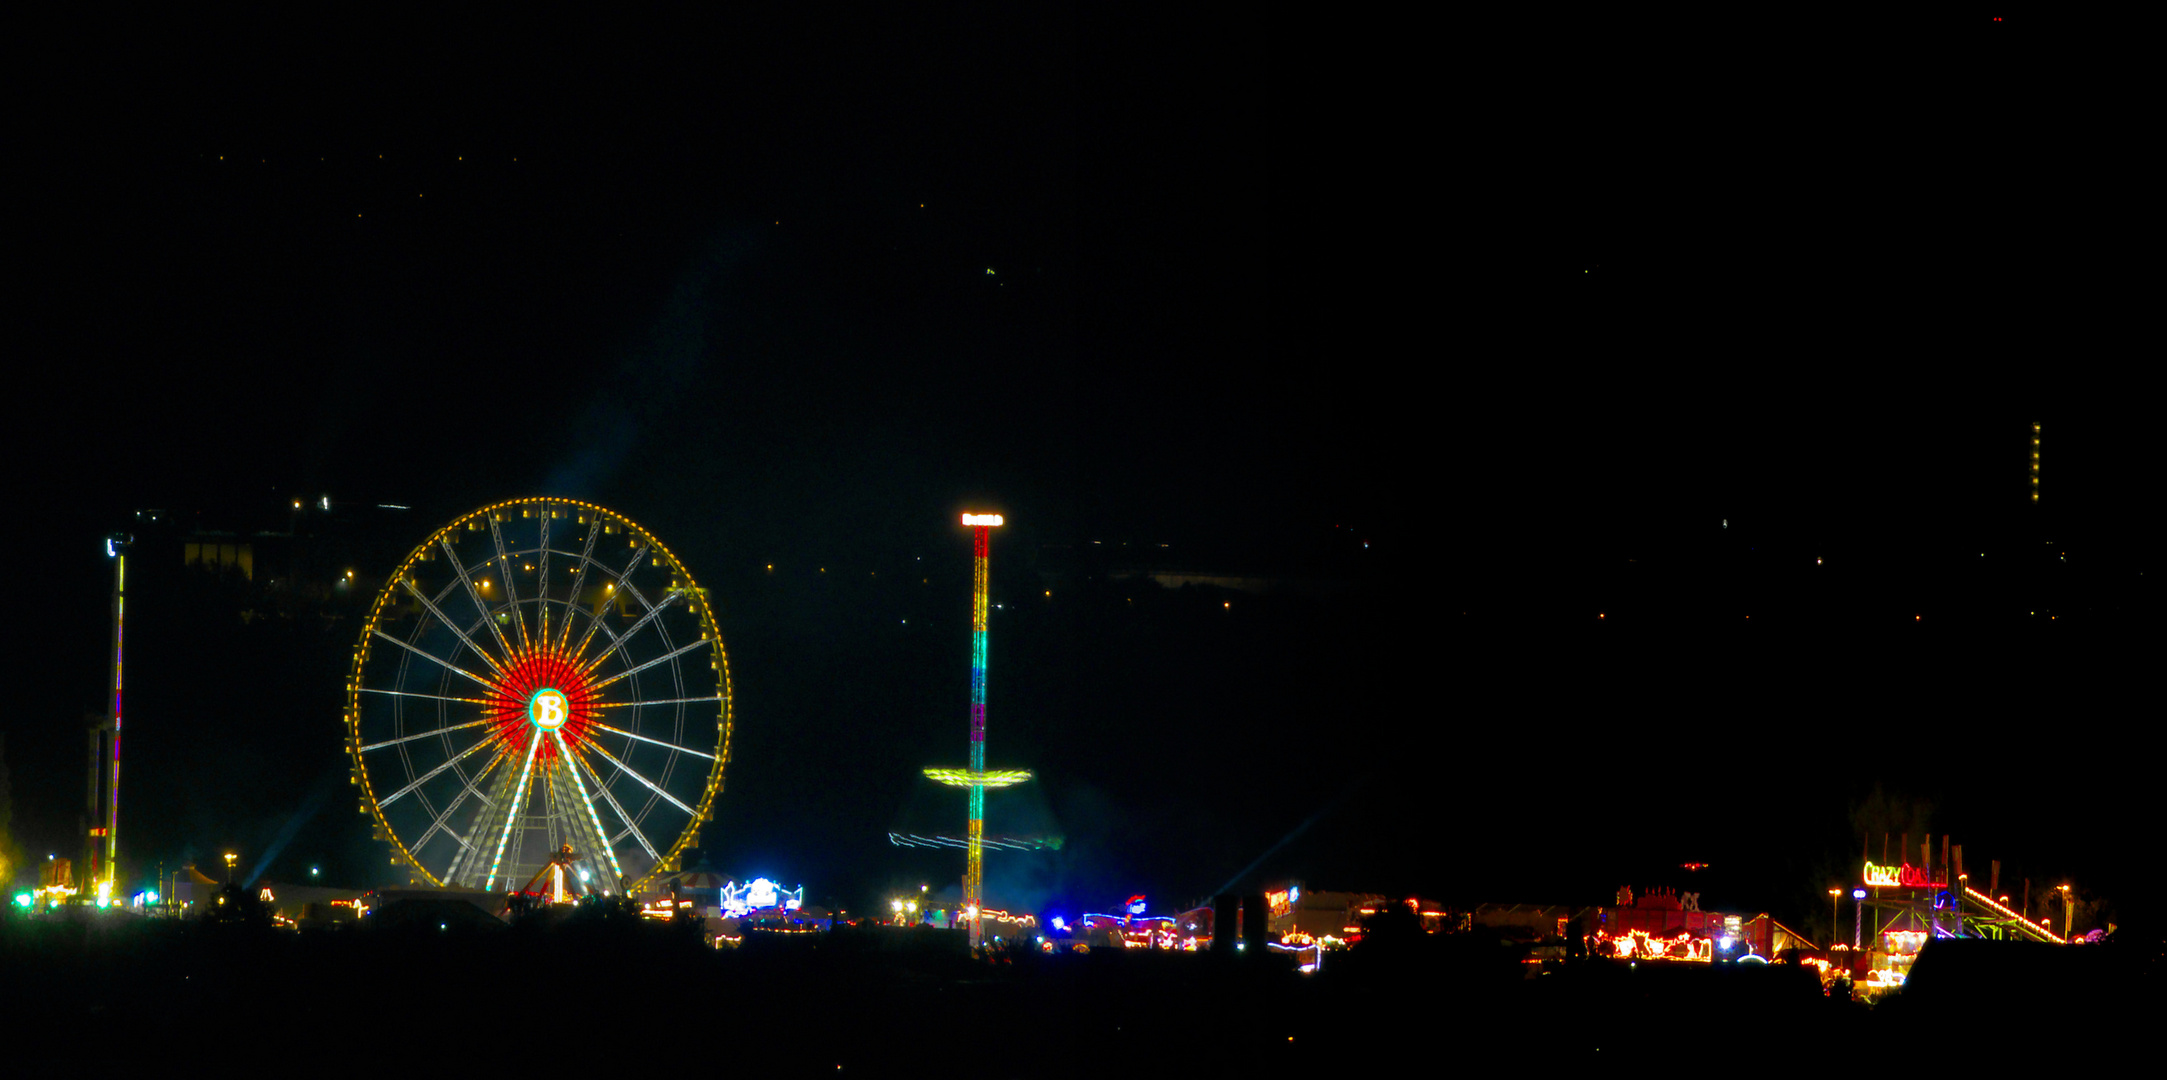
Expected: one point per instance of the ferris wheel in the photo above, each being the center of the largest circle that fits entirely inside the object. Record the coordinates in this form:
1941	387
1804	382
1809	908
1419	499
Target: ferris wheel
540	674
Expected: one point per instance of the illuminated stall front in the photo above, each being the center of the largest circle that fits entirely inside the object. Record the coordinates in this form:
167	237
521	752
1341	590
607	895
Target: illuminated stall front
1665	925
1132	929
1333	920
732	909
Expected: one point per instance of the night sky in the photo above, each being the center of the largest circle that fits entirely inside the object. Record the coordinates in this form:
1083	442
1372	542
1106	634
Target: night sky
1529	367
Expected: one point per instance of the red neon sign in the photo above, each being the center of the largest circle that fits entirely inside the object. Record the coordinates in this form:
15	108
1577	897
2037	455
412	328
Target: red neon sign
1905	875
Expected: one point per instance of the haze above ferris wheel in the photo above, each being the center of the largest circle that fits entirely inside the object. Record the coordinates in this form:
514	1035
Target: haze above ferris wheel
795	294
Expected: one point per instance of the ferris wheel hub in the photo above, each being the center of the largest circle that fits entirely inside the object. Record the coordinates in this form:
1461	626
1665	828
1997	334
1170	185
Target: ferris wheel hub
548	709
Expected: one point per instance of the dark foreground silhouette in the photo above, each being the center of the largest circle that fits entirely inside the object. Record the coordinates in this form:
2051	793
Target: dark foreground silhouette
435	996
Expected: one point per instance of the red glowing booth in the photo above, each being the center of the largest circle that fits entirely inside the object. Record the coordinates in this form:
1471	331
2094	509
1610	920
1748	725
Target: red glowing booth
1663	925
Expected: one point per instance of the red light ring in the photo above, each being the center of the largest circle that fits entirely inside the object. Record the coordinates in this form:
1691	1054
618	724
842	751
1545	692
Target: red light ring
516	686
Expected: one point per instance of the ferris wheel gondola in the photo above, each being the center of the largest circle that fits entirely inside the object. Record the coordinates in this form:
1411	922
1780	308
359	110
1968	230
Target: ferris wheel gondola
540	673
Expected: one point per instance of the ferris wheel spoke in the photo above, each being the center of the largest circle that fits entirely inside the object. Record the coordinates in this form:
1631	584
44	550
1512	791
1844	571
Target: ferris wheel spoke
438	825
617	641
663	659
650	785
518	810
657	742
474	594
433	773
423	735
657	701
631	826
473	786
429	697
452	626
579	578
541	590
622	581
511	589
438	660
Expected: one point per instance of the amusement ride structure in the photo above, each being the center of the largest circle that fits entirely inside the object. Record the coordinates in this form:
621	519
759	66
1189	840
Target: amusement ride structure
1898	907
102	840
539	690
977	778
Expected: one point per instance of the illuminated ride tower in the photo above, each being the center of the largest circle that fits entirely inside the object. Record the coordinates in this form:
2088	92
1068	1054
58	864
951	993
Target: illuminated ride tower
102	844
977	778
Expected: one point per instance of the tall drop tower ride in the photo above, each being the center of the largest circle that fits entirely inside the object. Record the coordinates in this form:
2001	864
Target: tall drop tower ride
102	842
977	778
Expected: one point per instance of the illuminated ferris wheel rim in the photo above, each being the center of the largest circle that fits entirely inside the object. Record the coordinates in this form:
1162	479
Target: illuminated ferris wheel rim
542	699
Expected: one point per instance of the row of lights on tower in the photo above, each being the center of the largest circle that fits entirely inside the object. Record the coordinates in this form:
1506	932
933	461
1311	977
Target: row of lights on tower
2035	462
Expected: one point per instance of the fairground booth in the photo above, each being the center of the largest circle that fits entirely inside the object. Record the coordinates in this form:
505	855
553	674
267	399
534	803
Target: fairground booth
1666	925
1334	919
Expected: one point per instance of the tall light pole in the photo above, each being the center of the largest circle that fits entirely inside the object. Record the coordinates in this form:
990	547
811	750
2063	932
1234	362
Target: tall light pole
977	778
2069	915
1835	899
